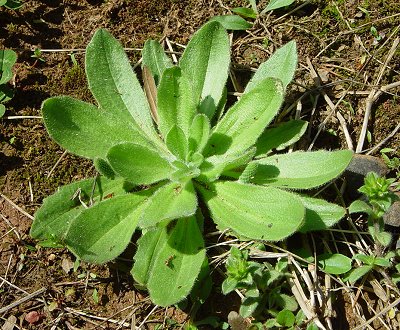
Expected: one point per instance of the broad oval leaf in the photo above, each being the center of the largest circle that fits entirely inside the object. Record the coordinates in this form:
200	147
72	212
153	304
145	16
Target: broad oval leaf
356	273
281	65
114	84
168	261
85	130
205	62
171	201
232	22
256	212
102	232
176	105
245	121
177	142
280	137
138	164
301	170
155	59
320	214
335	263
54	217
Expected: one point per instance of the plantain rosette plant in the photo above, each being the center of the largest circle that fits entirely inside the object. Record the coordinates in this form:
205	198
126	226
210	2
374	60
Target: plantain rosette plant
169	154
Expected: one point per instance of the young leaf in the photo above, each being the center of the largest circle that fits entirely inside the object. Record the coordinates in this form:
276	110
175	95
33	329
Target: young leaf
176	105
155	59
280	137
138	164
232	22
104	168
102	232
205	62
281	65
54	217
276	4
335	263
114	84
177	143
168	261
241	126
198	133
85	130
359	206
320	214
245	12
255	212
172	201
356	273
301	170
285	318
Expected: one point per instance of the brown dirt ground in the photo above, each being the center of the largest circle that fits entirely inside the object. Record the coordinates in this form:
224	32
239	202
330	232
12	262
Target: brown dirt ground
334	35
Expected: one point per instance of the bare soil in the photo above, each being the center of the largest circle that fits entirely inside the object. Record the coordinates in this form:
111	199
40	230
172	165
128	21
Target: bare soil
334	36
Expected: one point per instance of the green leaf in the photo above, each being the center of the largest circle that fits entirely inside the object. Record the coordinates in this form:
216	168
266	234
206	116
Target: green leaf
205	62
281	65
102	232
229	285
285	318
2	110
286	302
2	2
382	262
320	214
83	129
203	284
335	263
155	59
243	123
7	59
13	4
114	84
359	206
172	201
168	261
276	4
250	303
54	217
302	170
366	259
232	22
253	4
245	12
356	273
176	105
6	93
104	168
198	133
138	164
280	137
255	212
177	143
213	167
384	238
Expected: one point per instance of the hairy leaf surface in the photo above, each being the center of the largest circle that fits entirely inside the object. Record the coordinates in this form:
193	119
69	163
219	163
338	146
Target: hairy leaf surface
232	22
198	133
301	170
281	65
85	130
114	84
176	105
168	261
205	62
280	137
155	59
138	164
256	212
320	214
102	232
177	142
54	217
172	201
241	126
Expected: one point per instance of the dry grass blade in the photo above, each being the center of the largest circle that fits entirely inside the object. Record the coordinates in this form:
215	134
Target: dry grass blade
151	92
22	300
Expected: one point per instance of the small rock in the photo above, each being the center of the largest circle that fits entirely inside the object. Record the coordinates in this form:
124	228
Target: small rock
392	216
358	168
237	322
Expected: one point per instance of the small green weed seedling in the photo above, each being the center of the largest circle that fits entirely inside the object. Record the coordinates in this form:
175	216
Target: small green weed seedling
379	200
168	158
239	22
369	263
11	4
7	60
393	163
